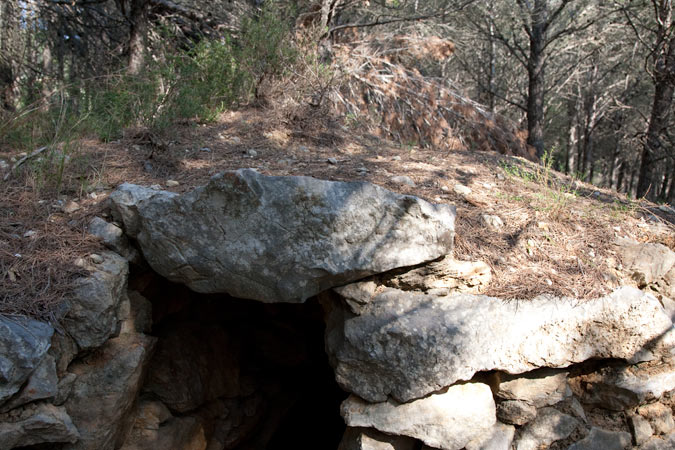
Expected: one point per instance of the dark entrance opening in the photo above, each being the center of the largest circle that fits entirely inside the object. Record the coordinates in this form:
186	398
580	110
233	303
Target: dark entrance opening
255	375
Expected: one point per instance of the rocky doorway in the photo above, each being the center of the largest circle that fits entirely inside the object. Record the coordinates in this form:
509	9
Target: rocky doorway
237	374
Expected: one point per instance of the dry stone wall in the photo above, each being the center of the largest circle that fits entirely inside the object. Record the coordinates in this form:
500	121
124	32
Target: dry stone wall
424	360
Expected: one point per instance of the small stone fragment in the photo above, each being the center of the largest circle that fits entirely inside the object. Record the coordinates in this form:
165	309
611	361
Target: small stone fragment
516	412
95	258
30	233
599	439
460	189
396	158
332	160
251	153
172	183
640	428
70	207
403	179
491	221
660	416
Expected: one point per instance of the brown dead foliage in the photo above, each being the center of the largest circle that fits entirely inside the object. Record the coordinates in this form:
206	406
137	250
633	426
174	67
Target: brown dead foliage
38	249
384	88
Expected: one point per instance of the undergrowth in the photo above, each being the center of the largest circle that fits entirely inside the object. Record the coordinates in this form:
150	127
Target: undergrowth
178	85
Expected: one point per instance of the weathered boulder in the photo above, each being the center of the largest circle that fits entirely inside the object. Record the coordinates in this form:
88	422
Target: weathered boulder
280	239
36	424
23	345
408	344
599	439
193	364
92	308
42	384
448	420
550	425
368	439
102	397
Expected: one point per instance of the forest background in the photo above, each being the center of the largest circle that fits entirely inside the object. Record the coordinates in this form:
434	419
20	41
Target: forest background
585	86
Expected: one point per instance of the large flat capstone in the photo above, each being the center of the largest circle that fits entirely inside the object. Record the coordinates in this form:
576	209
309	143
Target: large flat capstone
408	344
280	239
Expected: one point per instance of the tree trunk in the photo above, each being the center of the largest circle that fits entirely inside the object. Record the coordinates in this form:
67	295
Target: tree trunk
664	74
137	35
535	73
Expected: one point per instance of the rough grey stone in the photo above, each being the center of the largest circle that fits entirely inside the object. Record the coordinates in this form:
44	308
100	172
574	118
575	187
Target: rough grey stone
648	262
41	384
640	428
599	439
135	314
106	387
92	309
448	273
543	387
65	387
281	238
403	179
625	387
408	344
550	425
499	438
658	443
41	423
516	412
23	345
113	237
368	439
448	420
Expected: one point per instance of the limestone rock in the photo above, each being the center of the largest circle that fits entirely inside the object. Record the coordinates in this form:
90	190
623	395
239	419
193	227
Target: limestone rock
624	387
447	273
63	349
499	438
408	344
657	443
193	364
543	387
108	381
113	237
37	424
599	439
92	310
41	384
640	428
369	439
281	238
648	262
550	425
516	412
447	420
403	179
23	345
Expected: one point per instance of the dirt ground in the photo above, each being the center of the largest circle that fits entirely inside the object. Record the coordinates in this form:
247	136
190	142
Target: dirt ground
555	238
